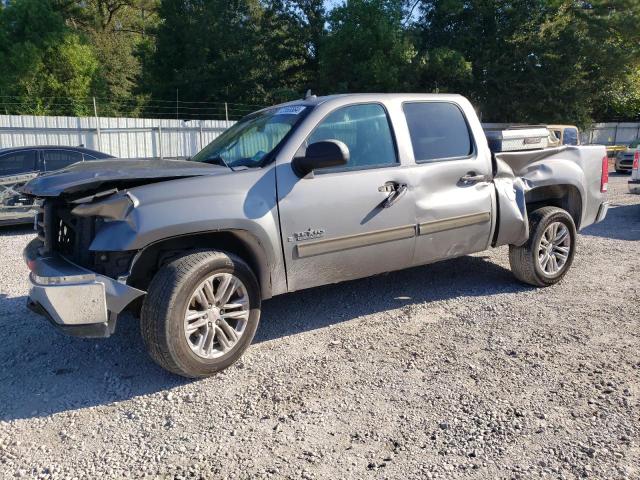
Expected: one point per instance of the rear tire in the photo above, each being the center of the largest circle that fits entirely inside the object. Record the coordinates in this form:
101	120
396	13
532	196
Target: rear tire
194	285
548	253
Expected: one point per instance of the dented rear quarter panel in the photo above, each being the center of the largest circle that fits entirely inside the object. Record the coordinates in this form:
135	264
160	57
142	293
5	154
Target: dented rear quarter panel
579	167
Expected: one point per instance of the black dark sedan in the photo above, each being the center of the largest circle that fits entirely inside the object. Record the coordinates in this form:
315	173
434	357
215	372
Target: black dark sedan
20	164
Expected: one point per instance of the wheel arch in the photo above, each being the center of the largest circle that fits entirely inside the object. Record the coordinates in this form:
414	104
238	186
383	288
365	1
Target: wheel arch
238	242
565	196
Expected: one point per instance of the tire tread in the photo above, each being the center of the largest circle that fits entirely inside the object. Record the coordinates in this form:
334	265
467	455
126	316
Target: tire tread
159	304
522	258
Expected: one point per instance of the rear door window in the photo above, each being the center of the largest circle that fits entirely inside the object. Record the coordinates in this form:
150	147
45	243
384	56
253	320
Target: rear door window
15	163
57	159
438	131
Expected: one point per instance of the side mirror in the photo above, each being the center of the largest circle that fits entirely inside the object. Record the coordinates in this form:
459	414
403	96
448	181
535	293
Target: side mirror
325	154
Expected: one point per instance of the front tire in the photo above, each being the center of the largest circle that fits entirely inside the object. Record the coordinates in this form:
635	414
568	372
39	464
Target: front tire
200	313
548	253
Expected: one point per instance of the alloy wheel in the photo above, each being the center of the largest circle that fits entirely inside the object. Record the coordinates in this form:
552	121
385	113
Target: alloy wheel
554	248
216	315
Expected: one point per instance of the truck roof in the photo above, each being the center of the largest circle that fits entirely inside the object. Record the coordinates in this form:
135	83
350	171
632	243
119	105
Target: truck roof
353	97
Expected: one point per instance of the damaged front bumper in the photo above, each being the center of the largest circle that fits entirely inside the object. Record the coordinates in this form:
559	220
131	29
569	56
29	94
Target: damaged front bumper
76	300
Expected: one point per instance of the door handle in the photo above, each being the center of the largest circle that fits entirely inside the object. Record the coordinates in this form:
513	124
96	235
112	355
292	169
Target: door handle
388	187
397	191
471	178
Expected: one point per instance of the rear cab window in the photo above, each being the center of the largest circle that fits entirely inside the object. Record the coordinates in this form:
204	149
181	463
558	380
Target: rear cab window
438	130
16	163
570	136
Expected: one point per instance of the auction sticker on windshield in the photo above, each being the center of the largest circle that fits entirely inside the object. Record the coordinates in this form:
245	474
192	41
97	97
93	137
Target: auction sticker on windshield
291	110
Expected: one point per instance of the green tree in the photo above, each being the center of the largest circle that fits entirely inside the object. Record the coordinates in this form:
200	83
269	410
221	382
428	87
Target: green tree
625	99
210	51
366	48
243	52
535	60
45	67
119	31
578	54
518	60
292	32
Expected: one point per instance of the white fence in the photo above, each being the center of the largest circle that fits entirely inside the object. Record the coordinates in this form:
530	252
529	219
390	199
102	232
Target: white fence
155	138
611	133
120	137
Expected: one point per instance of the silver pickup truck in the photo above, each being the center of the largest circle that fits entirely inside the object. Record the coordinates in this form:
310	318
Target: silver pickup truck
302	194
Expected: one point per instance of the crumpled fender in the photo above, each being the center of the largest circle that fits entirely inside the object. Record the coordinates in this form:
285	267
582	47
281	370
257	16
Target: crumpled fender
518	173
513	223
207	204
553	166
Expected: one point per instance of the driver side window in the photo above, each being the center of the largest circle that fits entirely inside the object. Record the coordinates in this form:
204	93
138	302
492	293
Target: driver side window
365	130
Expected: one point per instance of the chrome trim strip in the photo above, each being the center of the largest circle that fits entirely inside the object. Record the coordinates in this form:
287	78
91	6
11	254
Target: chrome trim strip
427	228
318	247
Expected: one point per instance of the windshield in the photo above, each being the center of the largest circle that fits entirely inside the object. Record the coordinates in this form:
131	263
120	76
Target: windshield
249	141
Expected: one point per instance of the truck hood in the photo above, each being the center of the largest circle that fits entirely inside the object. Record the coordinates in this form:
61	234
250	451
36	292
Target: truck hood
100	174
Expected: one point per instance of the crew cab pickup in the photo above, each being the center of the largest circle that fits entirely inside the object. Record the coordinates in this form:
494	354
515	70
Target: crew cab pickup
303	194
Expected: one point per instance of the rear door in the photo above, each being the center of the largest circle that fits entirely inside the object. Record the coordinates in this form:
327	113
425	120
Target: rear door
451	181
335	226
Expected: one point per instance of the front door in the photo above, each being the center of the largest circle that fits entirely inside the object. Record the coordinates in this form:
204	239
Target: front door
335	226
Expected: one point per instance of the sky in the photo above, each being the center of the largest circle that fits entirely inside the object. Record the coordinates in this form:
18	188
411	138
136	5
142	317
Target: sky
332	3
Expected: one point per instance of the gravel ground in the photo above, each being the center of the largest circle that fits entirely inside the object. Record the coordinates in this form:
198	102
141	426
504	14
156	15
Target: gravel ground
452	370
